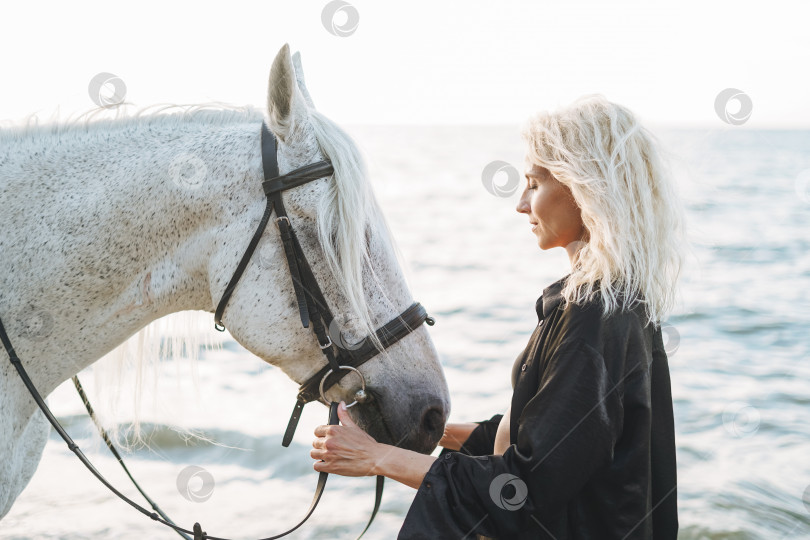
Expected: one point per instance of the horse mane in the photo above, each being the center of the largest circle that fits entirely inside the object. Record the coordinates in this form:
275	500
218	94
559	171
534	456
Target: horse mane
348	208
212	113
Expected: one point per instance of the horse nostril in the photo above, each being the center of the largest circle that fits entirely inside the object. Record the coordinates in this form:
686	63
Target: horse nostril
433	420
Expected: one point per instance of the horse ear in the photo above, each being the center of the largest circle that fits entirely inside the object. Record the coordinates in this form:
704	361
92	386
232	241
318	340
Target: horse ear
299	77
286	106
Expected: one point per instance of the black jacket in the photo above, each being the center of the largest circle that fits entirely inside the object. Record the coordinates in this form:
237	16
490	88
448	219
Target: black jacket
592	453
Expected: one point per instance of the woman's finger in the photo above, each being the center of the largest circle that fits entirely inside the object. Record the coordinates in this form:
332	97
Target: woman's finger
343	415
323	430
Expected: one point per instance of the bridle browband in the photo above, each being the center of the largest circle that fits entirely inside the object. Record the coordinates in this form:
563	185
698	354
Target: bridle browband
312	307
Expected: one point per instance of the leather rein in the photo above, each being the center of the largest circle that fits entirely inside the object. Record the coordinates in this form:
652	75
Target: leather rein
313	309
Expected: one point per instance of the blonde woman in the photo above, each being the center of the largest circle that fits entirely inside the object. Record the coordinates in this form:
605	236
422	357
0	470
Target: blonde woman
586	447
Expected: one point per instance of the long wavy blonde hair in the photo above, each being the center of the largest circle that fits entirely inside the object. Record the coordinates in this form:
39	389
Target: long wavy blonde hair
633	249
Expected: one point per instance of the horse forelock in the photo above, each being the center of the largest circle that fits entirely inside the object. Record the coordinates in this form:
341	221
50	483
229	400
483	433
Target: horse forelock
347	213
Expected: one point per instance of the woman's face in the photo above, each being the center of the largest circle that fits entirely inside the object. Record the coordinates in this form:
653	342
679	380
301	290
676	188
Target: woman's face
553	214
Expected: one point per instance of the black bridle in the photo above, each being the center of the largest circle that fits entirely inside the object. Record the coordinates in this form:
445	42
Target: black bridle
312	305
313	308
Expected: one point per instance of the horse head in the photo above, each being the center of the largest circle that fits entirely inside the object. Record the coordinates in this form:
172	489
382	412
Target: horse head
345	239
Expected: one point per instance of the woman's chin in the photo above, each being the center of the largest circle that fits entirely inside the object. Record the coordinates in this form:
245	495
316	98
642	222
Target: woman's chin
541	243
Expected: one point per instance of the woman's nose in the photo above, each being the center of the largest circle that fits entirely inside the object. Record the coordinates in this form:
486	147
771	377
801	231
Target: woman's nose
523	204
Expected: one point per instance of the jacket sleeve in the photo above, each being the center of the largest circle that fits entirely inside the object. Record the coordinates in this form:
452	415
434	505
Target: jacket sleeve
481	441
566	433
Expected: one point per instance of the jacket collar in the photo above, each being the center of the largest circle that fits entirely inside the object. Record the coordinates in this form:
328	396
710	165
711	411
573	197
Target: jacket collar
550	298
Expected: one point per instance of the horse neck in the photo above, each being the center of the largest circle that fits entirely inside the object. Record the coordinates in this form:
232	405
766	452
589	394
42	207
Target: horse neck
121	232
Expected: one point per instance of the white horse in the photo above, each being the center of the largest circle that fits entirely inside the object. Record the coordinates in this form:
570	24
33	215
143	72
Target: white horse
109	225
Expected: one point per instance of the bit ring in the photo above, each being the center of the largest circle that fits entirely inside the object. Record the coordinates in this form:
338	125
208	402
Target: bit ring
362	382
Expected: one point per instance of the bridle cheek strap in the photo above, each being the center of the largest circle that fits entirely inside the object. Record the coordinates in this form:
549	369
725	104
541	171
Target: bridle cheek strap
240	269
285	231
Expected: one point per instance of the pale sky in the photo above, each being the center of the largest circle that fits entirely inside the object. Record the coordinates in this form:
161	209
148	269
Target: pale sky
418	62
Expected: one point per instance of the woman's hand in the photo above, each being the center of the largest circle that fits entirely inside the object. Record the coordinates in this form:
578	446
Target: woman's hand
349	451
345	449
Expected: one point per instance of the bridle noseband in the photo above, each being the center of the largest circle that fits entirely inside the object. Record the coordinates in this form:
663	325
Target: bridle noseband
312	307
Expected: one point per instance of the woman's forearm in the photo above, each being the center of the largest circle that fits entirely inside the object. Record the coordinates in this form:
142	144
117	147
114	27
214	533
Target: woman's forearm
404	466
456	435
